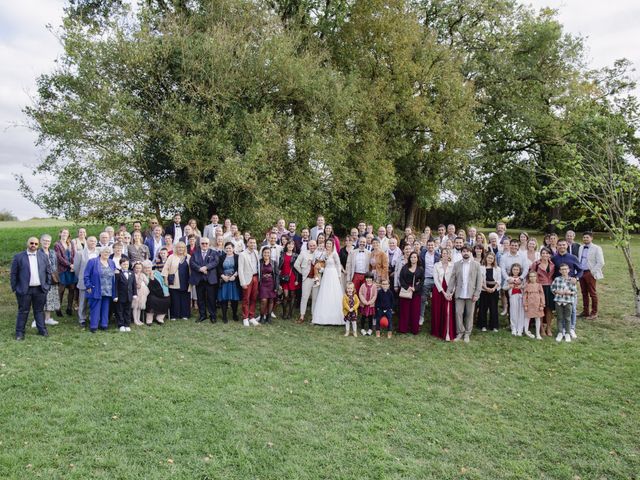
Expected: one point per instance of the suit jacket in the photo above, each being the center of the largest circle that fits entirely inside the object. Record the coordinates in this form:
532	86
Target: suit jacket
125	287
474	284
21	272
574	249
351	262
303	263
197	261
92	278
79	265
149	243
314	232
210	231
171	230
595	260
245	273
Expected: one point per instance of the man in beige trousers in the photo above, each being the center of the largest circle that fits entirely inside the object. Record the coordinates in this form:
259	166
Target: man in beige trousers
466	284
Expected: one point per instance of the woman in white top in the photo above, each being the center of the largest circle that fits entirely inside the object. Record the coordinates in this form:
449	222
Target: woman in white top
327	309
443	323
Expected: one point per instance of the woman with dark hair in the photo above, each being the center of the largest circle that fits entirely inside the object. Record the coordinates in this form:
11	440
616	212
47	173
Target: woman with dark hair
330	234
268	281
65	253
443	323
545	270
289	277
229	290
327	308
411	279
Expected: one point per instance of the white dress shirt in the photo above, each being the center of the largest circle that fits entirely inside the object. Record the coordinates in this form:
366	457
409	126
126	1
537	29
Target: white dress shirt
361	262
465	279
34	277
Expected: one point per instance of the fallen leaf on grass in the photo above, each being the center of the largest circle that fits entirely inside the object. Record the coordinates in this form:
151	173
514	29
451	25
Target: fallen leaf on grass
269	444
170	460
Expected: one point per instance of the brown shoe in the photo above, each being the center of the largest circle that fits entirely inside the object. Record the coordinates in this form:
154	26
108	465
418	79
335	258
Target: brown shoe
593	316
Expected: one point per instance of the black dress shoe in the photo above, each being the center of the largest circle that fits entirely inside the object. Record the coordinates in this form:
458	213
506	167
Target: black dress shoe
200	320
68	311
45	334
59	313
213	319
93	330
20	337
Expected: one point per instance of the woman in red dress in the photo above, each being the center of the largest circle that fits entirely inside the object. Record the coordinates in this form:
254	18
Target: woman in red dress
443	323
289	278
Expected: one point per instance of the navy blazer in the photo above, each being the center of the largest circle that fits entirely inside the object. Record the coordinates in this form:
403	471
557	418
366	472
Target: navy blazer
423	252
92	278
125	288
21	272
171	230
149	243
197	261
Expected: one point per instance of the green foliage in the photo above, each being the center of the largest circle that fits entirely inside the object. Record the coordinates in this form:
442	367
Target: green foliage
7	216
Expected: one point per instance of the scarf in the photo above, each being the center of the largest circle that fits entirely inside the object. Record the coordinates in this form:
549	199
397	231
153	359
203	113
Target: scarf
158	276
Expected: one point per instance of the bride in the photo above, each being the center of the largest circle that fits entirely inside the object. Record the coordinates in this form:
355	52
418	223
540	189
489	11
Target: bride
327	308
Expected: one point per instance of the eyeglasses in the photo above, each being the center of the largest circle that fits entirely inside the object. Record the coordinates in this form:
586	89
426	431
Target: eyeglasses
204	243
33	243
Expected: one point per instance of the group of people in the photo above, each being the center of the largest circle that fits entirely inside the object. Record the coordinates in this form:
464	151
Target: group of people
458	277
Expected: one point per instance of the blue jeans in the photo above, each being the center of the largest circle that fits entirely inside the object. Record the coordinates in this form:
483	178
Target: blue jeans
563	314
426	293
573	312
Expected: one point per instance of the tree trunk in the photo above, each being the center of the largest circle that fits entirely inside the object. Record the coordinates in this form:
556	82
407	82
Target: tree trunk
409	211
632	275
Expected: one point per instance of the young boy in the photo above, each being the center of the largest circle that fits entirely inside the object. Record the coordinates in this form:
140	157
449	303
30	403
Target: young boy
564	291
384	306
125	293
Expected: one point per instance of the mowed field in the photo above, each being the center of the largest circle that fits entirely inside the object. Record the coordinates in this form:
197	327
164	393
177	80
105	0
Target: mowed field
203	401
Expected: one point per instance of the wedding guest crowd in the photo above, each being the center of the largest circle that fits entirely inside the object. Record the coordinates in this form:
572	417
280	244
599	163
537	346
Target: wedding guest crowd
452	278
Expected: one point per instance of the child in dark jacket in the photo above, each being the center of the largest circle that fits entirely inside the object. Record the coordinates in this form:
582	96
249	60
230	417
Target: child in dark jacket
384	306
126	291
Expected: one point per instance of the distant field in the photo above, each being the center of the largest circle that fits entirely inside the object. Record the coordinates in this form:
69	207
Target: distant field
202	401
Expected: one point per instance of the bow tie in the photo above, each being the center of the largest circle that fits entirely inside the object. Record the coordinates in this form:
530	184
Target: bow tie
31	254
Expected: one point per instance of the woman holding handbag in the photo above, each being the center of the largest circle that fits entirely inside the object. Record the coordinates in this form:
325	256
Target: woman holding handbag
289	278
411	279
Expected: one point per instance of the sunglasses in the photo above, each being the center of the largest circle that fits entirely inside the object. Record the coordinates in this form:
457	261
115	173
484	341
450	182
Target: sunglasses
33	243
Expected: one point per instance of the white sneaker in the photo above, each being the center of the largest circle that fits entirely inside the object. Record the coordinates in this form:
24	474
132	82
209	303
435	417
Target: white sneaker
273	315
123	329
466	338
519	334
567	338
495	330
50	321
421	322
128	329
245	322
538	337
573	334
484	329
503	312
254	322
560	337
369	332
33	324
529	334
363	332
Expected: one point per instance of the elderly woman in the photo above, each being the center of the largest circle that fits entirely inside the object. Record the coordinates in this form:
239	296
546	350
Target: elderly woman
65	253
99	281
117	254
52	303
158	300
176	274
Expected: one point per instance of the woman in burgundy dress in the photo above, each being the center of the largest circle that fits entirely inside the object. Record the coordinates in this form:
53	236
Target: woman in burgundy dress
268	285
289	278
443	323
411	279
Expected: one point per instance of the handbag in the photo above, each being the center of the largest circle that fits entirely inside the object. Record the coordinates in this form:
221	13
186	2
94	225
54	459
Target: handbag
55	277
170	278
284	279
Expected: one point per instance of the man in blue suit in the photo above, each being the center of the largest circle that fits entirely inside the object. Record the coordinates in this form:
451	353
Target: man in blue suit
204	277
30	280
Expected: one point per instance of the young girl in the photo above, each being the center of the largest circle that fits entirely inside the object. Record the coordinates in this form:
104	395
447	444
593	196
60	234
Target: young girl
350	304
367	294
533	301
516	310
142	291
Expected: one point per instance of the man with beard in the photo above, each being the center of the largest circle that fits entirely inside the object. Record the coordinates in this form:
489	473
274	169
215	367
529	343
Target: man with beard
466	284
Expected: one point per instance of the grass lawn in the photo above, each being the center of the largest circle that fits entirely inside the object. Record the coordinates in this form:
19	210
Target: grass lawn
202	401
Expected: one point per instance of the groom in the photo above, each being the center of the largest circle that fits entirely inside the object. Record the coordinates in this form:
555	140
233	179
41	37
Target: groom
304	265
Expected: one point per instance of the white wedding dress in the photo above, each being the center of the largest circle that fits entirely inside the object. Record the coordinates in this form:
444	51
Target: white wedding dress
327	308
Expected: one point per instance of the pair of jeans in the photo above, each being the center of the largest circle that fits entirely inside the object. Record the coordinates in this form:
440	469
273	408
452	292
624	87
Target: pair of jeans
426	293
564	314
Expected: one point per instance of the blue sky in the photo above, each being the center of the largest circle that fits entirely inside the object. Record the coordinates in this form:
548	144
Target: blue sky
28	49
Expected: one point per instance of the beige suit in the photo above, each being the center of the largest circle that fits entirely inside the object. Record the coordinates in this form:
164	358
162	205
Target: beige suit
465	298
303	264
351	263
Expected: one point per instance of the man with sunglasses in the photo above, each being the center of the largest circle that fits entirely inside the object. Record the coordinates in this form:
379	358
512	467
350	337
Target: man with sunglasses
30	280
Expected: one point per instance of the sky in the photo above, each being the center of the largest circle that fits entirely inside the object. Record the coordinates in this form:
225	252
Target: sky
28	49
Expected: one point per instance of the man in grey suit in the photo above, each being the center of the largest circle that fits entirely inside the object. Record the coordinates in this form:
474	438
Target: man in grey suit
466	284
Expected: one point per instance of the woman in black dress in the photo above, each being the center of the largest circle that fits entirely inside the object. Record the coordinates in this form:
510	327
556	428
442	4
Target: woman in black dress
158	301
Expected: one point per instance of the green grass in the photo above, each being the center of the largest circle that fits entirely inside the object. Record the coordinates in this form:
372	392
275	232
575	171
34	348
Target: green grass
286	401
